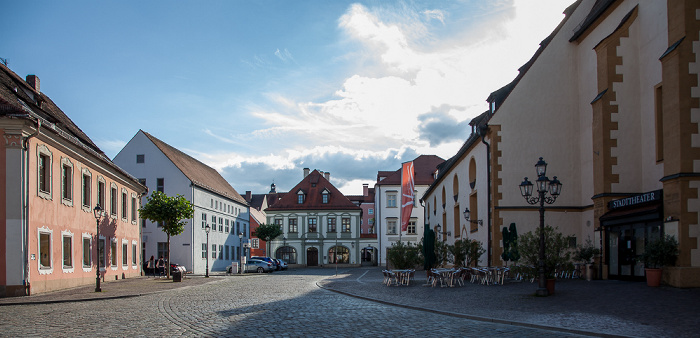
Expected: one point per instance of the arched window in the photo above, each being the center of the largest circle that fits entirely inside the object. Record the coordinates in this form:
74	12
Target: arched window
472	173
342	252
287	254
455	187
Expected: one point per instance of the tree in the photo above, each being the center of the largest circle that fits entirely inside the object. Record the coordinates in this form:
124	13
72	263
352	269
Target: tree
267	232
171	212
404	255
557	251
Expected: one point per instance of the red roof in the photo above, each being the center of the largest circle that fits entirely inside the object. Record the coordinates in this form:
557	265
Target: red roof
313	186
423	167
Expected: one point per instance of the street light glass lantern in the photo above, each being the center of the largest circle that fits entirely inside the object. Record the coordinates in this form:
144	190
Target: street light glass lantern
541	167
555	187
542	184
207	228
240	235
97	211
526	188
466	214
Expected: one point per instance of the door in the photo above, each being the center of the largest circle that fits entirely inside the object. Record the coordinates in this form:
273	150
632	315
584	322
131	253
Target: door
311	257
625	244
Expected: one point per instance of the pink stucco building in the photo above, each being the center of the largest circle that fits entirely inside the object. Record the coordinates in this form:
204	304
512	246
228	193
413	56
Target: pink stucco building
51	178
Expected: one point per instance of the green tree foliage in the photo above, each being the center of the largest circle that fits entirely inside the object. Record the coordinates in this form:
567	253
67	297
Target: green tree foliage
442	253
661	252
510	244
459	252
557	252
404	255
267	232
474	251
171	212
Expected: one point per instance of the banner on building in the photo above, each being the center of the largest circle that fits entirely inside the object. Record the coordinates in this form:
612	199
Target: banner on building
407	197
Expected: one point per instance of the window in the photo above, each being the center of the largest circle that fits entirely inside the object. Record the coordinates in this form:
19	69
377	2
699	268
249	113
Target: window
101	189
213	222
102	258
345	224
391	200
300	197
411	230
86	188
162	250
279	223
255	243
331	224
342	253
293	225
160	184
66	181
44	159
221	224
133	254
659	115
370	211
312	225
113	253
232	229
391	227
113	200
227	228
287	254
221	252
226	249
125	205
213	251
325	196
67	251
125	251
140	158
87	262
238	227
204	250
44	250
133	208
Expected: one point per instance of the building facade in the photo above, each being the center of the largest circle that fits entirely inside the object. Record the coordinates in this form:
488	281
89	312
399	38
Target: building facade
610	102
163	168
53	177
388	204
320	225
369	255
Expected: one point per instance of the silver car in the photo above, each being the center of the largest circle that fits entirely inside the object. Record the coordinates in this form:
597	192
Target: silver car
256	265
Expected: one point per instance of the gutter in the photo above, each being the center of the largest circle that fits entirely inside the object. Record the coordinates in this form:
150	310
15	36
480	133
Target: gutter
25	200
482	132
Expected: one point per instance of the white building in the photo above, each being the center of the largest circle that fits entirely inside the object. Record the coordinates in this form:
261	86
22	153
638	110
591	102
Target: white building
388	204
164	168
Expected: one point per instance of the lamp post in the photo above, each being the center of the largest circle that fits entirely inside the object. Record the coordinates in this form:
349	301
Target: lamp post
438	228
466	217
98	214
207	228
543	185
240	249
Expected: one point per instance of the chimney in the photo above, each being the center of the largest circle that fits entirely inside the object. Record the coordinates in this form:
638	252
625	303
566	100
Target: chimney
365	189
327	176
33	82
248	195
306	172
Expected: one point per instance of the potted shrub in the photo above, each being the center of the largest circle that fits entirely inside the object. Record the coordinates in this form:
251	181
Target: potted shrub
584	254
557	252
657	254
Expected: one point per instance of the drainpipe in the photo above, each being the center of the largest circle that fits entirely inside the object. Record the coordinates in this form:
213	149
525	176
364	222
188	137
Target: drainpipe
25	200
482	132
378	222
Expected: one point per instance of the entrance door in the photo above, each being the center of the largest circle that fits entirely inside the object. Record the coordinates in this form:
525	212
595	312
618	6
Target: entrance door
311	257
625	245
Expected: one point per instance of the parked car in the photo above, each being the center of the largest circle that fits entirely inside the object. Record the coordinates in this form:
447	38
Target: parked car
281	265
266	259
260	266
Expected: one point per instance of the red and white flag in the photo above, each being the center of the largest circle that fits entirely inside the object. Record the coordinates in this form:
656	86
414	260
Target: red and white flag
407	197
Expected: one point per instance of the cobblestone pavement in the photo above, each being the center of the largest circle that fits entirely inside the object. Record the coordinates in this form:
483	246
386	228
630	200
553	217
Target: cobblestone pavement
600	307
285	304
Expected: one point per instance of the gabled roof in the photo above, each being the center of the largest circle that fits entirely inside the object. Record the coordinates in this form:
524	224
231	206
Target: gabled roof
423	167
197	172
256	200
312	185
599	7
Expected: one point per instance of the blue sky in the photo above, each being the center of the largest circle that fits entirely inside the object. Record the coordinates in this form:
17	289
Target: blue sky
261	89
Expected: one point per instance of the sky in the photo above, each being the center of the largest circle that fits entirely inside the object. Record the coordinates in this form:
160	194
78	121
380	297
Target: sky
260	90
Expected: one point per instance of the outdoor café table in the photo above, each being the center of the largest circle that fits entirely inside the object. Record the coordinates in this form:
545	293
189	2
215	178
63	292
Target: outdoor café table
446	275
403	276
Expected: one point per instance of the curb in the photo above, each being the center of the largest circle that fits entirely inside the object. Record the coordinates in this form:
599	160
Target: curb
472	317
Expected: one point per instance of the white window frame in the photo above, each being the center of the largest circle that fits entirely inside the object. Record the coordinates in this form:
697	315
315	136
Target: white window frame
88	267
42	150
125	205
412	223
391	226
255	243
66	163
101	196
391	197
42	269
85	172
64	268
125	244
113	200
134	208
113	250
134	254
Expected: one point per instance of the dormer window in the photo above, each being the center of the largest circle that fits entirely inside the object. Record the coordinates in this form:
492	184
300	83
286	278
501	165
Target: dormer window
325	196
300	197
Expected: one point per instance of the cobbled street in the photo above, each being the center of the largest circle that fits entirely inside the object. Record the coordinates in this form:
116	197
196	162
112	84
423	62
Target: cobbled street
281	304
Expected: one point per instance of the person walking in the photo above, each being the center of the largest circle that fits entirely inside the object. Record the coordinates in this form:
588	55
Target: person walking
161	267
151	266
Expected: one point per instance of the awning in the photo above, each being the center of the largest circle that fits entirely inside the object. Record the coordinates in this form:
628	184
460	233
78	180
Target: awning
642	213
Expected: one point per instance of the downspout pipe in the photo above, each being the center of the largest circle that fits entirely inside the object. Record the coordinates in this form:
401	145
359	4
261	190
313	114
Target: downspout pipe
25	200
483	129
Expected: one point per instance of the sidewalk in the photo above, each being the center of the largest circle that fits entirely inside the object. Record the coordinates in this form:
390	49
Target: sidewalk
124	288
603	307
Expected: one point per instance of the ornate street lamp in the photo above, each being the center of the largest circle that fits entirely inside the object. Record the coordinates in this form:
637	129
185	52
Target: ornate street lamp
438	229
240	249
543	186
466	217
98	215
207	228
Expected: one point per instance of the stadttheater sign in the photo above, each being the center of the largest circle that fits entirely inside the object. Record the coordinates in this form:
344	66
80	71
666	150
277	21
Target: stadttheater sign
636	199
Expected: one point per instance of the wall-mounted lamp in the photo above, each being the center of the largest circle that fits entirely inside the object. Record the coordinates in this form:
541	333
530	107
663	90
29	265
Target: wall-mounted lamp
466	217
